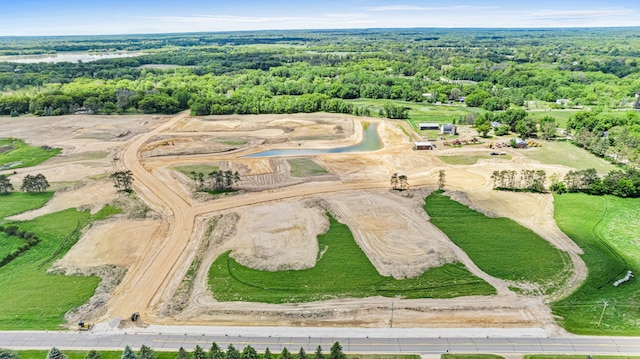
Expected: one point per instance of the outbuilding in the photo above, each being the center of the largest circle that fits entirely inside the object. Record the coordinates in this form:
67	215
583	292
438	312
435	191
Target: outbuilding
449	129
428	126
424	146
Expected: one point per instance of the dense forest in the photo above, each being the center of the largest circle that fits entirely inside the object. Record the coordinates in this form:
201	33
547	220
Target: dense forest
502	72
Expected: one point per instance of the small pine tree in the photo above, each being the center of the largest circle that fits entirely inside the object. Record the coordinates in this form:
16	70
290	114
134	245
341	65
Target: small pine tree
92	354
302	354
215	352
267	354
128	353
8	354
285	354
199	353
232	352
147	353
249	353
336	352
54	353
182	354
319	354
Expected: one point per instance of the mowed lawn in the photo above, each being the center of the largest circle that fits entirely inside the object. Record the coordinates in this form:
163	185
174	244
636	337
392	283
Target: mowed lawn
499	246
342	271
566	154
31	298
608	230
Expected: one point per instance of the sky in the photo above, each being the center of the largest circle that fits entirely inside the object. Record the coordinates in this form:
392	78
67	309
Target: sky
92	17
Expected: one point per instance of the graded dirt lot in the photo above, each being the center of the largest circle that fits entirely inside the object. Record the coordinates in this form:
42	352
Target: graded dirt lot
273	221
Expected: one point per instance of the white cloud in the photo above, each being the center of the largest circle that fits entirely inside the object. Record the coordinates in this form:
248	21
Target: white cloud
426	8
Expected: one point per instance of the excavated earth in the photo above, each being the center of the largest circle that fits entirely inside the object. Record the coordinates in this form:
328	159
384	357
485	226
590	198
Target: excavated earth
273	221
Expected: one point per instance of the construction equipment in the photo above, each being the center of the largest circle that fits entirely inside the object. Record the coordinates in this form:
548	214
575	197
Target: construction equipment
135	316
84	326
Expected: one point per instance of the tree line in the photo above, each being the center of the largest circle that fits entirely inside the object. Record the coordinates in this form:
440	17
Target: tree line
214	352
215	181
617	182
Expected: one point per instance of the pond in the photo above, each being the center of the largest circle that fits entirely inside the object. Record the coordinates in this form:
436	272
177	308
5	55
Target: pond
67	57
370	142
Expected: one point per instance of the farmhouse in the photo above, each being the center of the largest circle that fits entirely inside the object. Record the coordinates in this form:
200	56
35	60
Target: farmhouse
428	126
424	146
449	129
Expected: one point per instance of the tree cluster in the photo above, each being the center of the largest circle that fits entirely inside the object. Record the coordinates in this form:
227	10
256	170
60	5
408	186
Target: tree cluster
215	181
525	180
122	180
617	183
37	183
399	182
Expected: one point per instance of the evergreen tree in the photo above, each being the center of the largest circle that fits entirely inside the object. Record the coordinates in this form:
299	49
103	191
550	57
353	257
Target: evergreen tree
54	353
128	353
215	352
285	354
267	354
147	353
336	352
199	353
302	354
92	354
249	353
318	354
8	354
182	354
232	352
441	180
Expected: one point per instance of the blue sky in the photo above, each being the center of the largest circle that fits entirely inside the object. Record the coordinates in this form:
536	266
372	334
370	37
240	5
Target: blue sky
88	17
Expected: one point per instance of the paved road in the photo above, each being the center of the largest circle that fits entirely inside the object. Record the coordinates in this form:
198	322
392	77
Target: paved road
356	344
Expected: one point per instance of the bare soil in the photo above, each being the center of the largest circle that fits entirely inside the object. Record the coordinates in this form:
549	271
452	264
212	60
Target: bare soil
273	221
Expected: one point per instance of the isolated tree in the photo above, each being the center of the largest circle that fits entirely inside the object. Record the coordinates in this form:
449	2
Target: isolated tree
122	180
127	353
394	181
199	353
483	130
302	354
215	352
55	353
441	180
267	354
318	354
336	352
147	353
8	354
92	354
548	127
404	182
5	184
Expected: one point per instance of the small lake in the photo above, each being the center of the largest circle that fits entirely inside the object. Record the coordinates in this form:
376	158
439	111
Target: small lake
370	142
67	57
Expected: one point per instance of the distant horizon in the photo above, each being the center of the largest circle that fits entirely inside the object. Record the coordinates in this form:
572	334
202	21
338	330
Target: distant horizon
322	30
148	17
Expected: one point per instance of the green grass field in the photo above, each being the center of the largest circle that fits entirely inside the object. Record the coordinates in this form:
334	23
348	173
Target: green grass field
470	356
186	170
561	116
422	112
9	243
557	356
499	246
566	154
304	167
18	202
31	298
607	229
342	271
19	151
470	159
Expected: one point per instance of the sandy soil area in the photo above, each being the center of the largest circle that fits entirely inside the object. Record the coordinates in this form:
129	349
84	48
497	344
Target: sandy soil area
273	221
